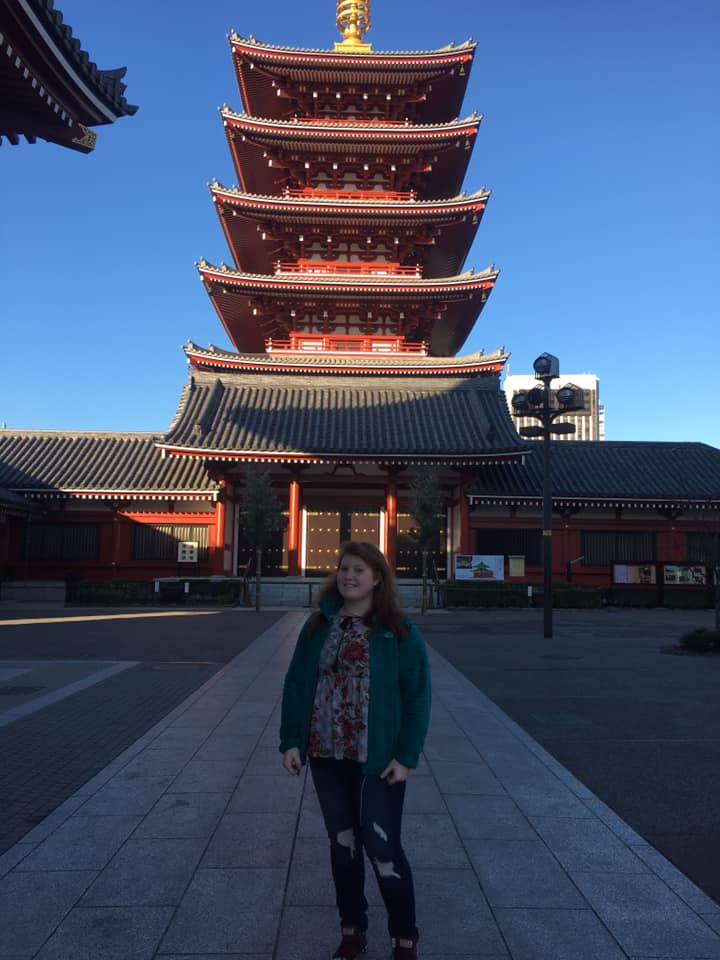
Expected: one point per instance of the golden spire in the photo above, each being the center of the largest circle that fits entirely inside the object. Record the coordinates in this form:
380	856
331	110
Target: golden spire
353	21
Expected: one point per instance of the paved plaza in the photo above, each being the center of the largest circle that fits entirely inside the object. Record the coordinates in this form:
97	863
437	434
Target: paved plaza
192	842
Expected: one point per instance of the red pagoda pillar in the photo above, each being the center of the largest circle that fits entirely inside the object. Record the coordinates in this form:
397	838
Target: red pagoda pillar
218	558
391	522
465	530
294	527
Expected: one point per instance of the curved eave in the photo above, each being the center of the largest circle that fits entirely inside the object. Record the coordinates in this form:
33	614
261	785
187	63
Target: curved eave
461	284
350	130
102	494
96	95
293	457
269	53
634	503
251	203
297	364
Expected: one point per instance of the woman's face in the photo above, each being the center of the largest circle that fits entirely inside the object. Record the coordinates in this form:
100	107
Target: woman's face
356	579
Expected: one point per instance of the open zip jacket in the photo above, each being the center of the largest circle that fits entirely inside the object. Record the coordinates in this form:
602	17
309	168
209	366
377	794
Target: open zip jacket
399	709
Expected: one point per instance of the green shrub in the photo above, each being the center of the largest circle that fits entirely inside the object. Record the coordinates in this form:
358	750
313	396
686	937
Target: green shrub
114	591
464	593
632	596
686	599
569	596
701	640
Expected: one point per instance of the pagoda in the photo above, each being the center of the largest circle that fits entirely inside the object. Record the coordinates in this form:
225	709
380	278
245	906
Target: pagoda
347	300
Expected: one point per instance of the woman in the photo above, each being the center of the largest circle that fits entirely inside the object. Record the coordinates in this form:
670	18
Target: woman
356	704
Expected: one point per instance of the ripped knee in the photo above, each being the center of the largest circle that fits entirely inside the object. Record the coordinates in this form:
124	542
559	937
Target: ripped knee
346	838
386	870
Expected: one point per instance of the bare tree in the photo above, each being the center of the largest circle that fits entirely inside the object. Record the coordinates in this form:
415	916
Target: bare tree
427	512
261	516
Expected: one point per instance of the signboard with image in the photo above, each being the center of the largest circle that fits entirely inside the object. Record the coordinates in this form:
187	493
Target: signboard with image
684	574
644	573
476	567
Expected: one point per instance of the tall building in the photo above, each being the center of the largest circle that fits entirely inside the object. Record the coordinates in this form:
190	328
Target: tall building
589	422
347	300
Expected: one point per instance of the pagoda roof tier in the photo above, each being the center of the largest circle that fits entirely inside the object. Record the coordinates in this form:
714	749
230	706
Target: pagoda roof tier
610	473
454	302
443	148
475	364
299	419
49	87
244	215
50	464
266	72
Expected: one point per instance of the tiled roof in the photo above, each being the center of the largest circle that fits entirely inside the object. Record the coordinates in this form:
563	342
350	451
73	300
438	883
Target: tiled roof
52	464
105	84
295	417
617	471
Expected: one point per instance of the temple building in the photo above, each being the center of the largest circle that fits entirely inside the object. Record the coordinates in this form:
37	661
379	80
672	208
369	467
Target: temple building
346	305
347	301
50	89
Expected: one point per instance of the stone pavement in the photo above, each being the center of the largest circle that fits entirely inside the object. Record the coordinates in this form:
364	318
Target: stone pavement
194	843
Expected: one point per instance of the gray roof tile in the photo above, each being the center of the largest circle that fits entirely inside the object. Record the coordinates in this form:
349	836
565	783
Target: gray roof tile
376	416
49	463
611	470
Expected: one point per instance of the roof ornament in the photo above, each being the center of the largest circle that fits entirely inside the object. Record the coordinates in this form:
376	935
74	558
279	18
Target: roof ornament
353	21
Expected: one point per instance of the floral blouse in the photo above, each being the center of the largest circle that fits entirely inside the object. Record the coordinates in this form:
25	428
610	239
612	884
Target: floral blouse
339	724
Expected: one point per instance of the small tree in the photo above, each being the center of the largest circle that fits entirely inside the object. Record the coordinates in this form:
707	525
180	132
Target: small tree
261	516
426	511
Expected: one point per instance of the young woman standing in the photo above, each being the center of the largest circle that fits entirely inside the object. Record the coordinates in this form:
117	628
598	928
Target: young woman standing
356	704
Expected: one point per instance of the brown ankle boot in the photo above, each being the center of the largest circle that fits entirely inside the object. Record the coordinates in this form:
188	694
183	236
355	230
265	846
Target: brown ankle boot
353	943
404	948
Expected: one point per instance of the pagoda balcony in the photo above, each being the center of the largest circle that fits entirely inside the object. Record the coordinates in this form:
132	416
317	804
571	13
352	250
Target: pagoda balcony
351	121
321	193
320	343
360	268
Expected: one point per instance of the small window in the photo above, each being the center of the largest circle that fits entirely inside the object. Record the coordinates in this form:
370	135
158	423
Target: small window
506	543
604	548
703	547
63	541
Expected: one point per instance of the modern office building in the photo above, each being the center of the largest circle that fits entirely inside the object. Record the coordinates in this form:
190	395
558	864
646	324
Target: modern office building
589	422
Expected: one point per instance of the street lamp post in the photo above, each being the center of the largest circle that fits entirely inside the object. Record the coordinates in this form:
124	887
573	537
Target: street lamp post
539	404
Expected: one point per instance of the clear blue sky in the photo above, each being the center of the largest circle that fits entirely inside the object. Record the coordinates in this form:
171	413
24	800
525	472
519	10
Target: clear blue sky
600	143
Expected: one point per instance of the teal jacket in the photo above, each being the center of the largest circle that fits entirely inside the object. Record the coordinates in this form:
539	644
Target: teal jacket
399	709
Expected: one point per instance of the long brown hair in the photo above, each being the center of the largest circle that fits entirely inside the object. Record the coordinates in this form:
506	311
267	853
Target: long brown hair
385	610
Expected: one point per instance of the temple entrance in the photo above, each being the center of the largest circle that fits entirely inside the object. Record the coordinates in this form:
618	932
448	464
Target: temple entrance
327	529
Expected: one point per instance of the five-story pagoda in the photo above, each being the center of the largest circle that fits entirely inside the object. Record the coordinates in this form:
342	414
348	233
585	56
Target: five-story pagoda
346	302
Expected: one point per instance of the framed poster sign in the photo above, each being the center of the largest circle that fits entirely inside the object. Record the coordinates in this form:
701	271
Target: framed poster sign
684	574
636	574
479	567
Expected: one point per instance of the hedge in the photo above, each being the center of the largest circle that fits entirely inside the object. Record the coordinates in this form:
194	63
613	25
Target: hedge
108	592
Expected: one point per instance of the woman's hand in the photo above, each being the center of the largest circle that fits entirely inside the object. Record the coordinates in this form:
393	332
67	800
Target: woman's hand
292	762
395	772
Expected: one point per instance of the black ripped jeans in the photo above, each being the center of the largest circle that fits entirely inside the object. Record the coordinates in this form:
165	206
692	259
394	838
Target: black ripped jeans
363	812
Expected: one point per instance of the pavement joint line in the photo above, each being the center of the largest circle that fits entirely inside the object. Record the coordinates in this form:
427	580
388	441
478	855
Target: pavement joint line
39	703
38	621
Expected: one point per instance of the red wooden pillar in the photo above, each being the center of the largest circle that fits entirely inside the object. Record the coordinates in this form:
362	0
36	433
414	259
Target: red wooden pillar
465	531
294	527
218	552
391	522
